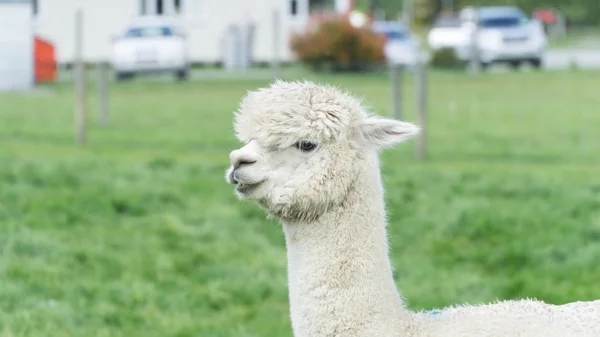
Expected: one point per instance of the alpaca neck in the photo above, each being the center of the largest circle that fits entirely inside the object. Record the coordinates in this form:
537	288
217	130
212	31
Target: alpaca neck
339	274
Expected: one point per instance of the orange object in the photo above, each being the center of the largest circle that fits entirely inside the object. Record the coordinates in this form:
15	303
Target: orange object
45	61
547	16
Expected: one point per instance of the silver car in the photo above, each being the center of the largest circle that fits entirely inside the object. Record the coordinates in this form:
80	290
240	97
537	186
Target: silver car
401	45
504	35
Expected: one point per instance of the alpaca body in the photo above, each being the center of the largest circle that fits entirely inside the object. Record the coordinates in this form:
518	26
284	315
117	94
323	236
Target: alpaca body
310	159
341	284
527	318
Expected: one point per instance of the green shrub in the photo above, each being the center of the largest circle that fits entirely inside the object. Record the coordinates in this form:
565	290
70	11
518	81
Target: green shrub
334	43
445	58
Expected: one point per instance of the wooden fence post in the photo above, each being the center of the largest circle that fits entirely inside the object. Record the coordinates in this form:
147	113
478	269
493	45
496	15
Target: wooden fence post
103	77
422	108
396	78
79	80
275	64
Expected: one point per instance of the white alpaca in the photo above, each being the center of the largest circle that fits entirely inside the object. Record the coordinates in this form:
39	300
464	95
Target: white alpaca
311	160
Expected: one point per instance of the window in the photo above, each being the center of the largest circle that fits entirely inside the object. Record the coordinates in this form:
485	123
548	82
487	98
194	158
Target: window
159	7
447	21
397	35
294	7
162	7
502	22
319	5
141	32
143	7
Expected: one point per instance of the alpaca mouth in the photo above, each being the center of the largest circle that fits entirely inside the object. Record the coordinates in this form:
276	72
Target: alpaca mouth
245	188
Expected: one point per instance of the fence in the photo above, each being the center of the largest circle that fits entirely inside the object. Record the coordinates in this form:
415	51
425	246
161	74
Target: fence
484	130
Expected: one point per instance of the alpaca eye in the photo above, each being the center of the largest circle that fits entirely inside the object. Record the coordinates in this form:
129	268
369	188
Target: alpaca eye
305	146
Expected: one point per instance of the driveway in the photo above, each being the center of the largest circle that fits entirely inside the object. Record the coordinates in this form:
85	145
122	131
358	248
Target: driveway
565	58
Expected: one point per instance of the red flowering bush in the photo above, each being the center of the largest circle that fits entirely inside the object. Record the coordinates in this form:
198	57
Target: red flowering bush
336	43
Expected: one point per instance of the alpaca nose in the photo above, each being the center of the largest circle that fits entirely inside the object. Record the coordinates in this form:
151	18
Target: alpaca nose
239	158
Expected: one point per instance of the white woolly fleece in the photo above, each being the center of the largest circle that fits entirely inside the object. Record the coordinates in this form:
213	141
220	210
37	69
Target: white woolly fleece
330	201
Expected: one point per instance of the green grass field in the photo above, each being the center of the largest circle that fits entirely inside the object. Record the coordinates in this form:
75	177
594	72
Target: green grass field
137	233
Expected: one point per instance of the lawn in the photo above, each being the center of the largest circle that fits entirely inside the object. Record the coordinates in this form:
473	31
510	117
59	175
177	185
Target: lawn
137	234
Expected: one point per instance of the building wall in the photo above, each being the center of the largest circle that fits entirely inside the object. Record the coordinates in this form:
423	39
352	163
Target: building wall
206	36
206	22
55	21
16	46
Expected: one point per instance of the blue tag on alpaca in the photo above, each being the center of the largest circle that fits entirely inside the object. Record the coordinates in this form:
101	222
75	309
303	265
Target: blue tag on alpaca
434	313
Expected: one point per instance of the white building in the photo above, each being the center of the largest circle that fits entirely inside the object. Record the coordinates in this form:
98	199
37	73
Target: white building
16	45
206	22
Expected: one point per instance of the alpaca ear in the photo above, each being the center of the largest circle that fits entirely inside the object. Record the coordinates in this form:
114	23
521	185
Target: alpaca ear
382	132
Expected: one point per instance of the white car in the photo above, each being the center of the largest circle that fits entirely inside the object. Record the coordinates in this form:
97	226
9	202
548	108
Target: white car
505	35
401	46
151	45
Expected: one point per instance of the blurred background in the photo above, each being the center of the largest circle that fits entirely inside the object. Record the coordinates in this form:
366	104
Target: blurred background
116	126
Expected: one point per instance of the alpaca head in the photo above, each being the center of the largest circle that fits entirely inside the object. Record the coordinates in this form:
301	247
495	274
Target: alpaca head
304	147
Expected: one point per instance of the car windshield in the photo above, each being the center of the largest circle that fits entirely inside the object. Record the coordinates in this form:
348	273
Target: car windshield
138	32
502	22
447	22
396	35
